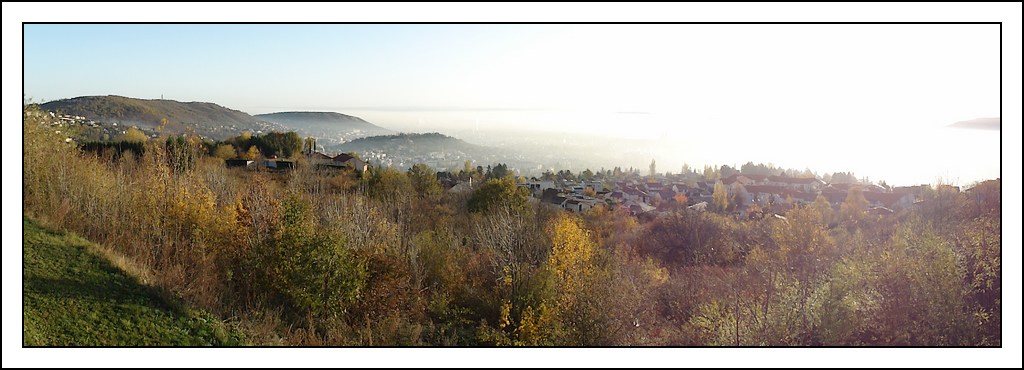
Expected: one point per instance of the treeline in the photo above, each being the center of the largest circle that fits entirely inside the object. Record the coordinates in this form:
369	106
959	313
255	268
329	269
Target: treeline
393	258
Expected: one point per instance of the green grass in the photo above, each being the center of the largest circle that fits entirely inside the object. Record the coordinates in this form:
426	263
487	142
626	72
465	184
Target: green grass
74	297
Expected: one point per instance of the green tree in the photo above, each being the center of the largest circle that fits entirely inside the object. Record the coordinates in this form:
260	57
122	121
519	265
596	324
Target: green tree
587	175
921	291
501	193
808	249
312	267
395	191
424	181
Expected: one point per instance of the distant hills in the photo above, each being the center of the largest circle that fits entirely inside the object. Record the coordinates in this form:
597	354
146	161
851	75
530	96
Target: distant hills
434	149
406	143
331	127
207	119
212	120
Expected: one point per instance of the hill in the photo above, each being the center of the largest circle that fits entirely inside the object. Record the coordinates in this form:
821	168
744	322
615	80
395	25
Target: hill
207	119
75	297
434	149
329	127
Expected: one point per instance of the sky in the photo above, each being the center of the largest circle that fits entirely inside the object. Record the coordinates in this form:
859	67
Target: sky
872	99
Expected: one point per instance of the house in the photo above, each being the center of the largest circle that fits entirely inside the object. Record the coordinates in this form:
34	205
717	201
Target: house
279	164
745	179
350	161
768	194
889	200
462	187
806	184
318	158
637	208
572	205
637	195
239	163
537	187
665	195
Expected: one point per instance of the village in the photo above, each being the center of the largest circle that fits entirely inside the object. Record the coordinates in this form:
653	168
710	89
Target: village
746	195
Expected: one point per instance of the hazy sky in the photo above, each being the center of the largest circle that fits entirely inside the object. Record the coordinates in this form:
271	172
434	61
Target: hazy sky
865	98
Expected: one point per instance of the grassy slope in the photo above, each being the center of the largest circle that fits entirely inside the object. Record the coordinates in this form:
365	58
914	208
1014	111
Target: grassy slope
73	297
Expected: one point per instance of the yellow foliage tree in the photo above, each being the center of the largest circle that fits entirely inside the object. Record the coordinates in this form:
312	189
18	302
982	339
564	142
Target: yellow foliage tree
252	154
132	135
224	151
720	197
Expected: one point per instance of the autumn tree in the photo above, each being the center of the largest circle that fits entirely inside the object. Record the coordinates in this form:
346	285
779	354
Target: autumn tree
823	208
132	134
571	264
720	197
252	154
224	151
680	198
710	173
855	205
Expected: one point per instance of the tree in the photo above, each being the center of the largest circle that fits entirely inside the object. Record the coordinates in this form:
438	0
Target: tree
587	175
132	135
921	290
824	209
808	249
313	269
680	198
224	151
652	169
589	191
500	170
467	169
499	193
571	264
710	173
720	197
855	205
309	145
394	189
252	154
286	144
424	181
